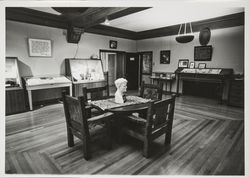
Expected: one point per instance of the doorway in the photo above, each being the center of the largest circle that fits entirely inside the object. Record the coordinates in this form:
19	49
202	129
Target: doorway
132	70
114	63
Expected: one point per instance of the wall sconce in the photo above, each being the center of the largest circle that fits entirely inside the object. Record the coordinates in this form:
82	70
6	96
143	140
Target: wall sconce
185	37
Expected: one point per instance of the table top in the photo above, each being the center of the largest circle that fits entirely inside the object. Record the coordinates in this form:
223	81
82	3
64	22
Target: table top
133	103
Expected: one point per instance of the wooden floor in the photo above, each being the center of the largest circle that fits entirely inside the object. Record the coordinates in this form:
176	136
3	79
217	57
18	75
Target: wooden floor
207	139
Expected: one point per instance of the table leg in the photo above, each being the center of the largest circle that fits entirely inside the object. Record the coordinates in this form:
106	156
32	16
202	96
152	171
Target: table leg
170	86
177	87
166	86
30	100
70	90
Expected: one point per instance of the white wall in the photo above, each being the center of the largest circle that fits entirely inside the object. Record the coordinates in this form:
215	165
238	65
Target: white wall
17	35
228	48
227	43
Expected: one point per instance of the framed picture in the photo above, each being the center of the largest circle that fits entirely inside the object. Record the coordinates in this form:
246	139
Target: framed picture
191	65
203	53
146	58
112	44
202	65
165	57
39	48
183	63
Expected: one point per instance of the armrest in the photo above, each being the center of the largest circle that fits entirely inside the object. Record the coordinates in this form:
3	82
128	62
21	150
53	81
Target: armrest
137	119
102	117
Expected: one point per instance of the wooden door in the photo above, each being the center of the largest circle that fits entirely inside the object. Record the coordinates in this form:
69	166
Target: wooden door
111	68
132	70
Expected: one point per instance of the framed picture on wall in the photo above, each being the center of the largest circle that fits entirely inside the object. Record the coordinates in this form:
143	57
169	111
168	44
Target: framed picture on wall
112	44
165	57
183	63
146	58
202	65
191	65
39	48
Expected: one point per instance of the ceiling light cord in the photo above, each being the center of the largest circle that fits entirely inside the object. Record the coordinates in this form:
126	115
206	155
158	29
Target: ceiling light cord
179	30
190	27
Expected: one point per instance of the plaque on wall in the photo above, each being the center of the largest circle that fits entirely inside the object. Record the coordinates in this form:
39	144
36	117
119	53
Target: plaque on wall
203	53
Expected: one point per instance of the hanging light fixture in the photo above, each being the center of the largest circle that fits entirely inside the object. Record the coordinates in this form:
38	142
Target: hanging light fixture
106	22
185	37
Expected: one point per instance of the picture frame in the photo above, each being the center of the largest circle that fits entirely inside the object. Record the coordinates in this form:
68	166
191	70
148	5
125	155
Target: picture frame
165	57
146	58
40	47
202	65
183	63
192	65
113	44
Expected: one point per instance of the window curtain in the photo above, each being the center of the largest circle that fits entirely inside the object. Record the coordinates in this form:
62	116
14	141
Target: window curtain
121	65
104	58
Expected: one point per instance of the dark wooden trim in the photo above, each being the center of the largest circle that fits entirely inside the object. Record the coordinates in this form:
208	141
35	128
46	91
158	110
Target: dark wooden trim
127	11
26	15
213	23
46	19
112	31
111	51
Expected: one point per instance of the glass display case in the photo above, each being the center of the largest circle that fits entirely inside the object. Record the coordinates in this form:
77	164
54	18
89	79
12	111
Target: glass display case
12	76
84	73
86	70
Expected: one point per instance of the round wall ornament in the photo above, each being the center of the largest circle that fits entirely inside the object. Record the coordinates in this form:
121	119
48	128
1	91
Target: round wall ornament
204	36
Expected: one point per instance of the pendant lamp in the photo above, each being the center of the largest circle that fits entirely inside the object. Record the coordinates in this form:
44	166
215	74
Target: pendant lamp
185	37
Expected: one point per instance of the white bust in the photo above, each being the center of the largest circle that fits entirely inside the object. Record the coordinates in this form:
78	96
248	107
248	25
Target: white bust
121	85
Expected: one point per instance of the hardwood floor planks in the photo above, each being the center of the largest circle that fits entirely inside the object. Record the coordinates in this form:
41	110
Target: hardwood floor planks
207	139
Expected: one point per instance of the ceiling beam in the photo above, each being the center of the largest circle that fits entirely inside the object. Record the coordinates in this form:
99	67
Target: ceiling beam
46	19
95	15
35	17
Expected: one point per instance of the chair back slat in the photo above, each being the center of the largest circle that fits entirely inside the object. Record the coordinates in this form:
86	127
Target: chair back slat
150	91
160	115
75	114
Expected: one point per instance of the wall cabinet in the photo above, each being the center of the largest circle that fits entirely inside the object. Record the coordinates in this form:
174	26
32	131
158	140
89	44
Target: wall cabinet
85	73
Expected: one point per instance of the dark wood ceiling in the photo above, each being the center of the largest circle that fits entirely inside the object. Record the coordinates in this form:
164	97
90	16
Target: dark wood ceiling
90	18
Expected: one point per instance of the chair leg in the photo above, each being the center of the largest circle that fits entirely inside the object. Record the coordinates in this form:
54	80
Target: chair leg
70	137
167	138
146	148
109	134
86	150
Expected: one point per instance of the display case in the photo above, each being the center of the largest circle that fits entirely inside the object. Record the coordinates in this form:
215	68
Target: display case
15	98
85	73
12	76
46	87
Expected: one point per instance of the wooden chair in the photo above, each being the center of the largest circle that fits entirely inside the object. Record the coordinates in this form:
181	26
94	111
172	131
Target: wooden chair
158	121
82	127
151	91
94	94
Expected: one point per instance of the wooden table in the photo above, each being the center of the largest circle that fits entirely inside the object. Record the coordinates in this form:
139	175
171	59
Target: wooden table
39	83
132	105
